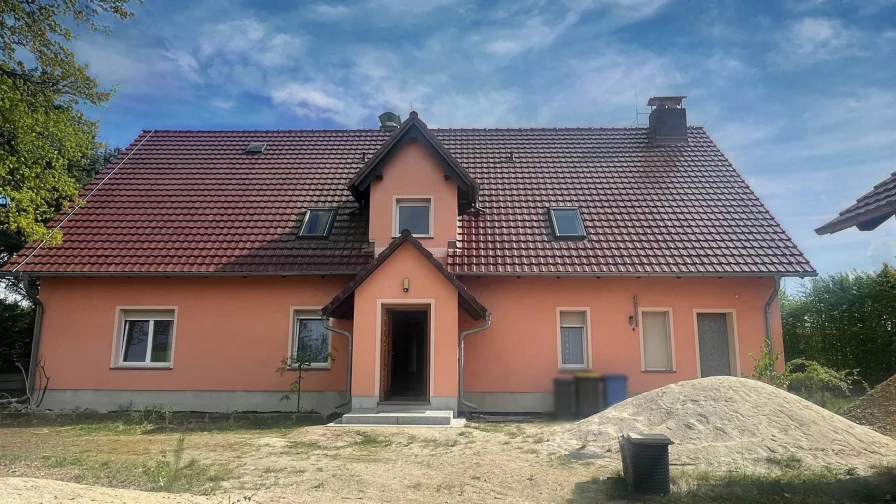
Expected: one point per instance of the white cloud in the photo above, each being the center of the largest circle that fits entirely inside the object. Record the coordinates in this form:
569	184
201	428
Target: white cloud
248	40
814	39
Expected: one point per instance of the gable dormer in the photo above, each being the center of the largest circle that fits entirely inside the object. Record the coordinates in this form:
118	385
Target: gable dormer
412	182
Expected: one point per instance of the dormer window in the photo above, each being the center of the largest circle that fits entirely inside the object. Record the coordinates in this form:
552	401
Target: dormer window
318	223
415	215
567	222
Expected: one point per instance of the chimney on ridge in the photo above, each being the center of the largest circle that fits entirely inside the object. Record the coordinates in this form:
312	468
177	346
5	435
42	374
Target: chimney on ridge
668	120
389	121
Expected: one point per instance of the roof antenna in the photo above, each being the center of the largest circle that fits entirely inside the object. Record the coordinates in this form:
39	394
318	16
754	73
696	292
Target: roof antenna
637	121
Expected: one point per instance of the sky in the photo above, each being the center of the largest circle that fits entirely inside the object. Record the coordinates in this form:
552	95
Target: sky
799	94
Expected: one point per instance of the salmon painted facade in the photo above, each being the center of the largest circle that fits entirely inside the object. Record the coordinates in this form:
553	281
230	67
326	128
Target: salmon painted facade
444	269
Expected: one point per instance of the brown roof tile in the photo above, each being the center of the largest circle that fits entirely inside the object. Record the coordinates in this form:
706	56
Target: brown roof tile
194	202
869	211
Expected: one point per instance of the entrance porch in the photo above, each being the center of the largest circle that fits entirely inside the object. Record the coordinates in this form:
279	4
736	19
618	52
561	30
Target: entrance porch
404	309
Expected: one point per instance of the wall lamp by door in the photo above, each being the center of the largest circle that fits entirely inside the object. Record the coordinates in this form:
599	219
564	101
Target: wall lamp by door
406	284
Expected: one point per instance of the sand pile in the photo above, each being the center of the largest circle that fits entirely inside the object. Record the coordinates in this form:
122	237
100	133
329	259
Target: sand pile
877	409
726	423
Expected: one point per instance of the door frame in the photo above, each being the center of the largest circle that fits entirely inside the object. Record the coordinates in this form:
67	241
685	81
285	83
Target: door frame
405	304
732	334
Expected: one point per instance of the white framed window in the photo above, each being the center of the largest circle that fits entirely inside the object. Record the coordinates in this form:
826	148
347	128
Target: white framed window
566	222
145	337
657	343
310	339
415	215
573	338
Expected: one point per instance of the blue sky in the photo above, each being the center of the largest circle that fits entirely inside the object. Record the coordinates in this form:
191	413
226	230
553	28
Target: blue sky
800	94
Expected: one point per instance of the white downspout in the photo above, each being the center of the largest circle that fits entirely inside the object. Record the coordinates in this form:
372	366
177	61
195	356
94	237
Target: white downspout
460	363
768	314
348	379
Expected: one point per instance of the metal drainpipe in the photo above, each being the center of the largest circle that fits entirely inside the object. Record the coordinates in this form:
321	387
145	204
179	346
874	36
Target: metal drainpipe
348	380
460	363
768	313
38	325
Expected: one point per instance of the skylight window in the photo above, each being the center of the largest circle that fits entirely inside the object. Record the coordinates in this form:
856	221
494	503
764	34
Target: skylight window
256	148
318	223
567	222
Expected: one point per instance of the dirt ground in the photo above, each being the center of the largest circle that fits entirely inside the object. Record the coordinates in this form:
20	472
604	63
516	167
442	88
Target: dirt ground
477	463
734	424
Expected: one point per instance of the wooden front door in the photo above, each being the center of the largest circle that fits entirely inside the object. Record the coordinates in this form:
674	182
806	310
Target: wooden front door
385	356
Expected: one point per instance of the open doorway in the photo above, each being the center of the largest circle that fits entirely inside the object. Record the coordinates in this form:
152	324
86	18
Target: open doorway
405	373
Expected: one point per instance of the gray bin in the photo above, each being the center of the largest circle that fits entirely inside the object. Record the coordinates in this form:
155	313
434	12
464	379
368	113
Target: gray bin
645	462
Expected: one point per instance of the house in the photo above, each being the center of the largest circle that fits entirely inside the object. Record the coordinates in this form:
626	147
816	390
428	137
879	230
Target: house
868	212
443	268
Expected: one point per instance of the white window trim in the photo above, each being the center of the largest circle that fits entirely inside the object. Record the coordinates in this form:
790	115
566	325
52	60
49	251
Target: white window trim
586	340
732	334
668	312
293	325
556	230
118	337
330	223
399	200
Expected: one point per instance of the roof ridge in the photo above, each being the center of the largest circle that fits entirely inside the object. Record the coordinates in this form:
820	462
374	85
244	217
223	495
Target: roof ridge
375	130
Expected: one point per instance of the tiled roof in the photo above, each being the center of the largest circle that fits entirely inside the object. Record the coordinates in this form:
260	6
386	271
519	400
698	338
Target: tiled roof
193	202
869	211
343	305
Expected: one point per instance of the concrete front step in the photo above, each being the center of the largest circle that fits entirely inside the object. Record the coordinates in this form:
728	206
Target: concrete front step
442	418
402	407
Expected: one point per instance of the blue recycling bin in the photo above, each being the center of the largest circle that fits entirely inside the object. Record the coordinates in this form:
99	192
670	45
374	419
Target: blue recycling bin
615	388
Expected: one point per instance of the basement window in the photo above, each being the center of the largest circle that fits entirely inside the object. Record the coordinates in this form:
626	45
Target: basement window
566	222
145	338
318	223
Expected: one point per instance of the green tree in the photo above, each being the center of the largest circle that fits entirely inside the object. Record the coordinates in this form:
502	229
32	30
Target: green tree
44	135
844	321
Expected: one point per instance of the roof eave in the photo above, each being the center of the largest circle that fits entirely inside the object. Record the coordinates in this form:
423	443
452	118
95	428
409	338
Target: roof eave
864	221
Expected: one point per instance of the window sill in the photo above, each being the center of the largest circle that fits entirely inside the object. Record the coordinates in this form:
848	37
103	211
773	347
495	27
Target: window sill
143	366
419	237
658	371
575	370
311	368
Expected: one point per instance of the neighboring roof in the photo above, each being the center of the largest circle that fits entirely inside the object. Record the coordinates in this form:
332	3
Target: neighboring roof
869	211
192	202
343	305
413	130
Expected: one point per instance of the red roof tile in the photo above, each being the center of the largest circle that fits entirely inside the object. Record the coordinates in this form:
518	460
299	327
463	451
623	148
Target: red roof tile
194	202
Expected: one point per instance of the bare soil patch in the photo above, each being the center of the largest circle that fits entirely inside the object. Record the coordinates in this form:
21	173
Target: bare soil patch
732	424
479	463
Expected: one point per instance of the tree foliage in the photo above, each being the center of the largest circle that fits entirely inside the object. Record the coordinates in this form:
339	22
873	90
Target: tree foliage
44	135
844	321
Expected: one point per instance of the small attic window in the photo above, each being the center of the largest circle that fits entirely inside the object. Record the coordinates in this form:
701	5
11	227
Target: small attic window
256	148
318	223
567	222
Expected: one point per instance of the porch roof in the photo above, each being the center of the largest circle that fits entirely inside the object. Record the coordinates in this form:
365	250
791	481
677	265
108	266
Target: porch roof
343	305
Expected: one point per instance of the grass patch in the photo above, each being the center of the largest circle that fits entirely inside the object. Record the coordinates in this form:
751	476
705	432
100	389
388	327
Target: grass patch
152	420
171	473
371	440
791	482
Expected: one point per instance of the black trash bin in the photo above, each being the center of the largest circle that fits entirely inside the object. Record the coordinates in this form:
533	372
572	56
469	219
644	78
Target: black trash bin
564	398
590	397
645	462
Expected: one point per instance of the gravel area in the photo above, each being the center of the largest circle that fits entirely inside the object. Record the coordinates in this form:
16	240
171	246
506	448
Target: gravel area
877	409
727	423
